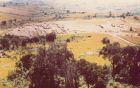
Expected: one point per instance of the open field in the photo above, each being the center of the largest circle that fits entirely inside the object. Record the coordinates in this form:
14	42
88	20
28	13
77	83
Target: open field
85	45
19	13
86	34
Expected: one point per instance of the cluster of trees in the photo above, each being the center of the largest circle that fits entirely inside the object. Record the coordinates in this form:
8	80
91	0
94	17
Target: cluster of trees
123	15
8	23
13	22
125	62
13	42
110	15
57	68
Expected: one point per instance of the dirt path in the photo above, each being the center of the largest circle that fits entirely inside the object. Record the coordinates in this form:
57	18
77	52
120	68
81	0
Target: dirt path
117	36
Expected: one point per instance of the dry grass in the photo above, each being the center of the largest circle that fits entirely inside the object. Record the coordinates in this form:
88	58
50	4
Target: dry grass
6	65
135	40
8	62
85	46
88	48
80	48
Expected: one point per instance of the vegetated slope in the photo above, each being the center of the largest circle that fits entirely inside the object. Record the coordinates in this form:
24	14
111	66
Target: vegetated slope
15	11
19	9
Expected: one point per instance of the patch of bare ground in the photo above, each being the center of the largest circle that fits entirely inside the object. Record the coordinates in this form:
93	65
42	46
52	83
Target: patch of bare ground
37	29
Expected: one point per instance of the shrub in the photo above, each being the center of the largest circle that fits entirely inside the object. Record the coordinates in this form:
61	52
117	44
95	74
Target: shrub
93	74
5	43
20	77
138	34
26	62
131	29
136	18
68	40
105	40
3	23
51	37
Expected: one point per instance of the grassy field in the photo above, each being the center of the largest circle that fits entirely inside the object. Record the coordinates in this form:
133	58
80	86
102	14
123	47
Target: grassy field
8	61
85	46
88	48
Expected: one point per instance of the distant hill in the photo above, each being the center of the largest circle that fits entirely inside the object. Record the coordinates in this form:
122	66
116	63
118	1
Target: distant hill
36	2
27	1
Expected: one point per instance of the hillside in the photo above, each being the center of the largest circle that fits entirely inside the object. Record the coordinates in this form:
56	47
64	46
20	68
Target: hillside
69	44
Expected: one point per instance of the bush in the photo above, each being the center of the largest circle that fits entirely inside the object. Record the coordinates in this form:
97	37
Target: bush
26	62
105	40
93	74
5	43
3	23
136	18
51	37
131	29
138	34
20	77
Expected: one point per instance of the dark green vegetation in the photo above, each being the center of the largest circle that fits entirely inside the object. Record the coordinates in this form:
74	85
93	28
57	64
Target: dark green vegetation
56	67
125	62
8	42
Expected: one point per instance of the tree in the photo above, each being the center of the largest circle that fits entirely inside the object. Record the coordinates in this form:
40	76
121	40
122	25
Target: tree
123	16
26	62
55	67
3	23
136	18
5	43
125	62
131	29
138	34
110	14
24	43
4	5
100	84
92	73
51	37
51	65
105	40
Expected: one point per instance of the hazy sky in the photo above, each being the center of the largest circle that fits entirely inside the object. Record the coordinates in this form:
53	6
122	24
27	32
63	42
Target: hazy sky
3	0
93	4
97	2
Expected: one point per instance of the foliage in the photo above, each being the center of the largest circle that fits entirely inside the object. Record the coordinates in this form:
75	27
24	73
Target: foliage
105	40
57	68
125	62
12	42
94	76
